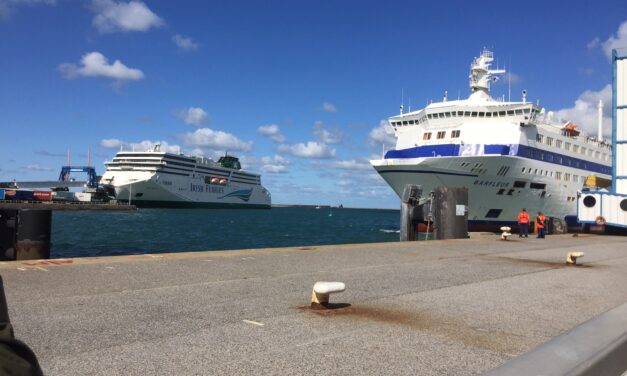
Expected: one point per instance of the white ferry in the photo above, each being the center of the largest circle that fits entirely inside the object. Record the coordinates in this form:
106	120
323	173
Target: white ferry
510	155
158	179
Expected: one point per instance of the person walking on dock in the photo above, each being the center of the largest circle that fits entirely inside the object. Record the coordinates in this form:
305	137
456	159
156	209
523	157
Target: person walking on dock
523	224
540	225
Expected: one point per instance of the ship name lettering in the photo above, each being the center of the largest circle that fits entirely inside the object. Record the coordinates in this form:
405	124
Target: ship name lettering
489	183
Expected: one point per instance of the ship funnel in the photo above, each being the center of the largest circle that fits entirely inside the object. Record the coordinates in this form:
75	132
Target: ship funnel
600	107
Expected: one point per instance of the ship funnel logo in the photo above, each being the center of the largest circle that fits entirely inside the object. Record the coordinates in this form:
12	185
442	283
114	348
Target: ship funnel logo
242	194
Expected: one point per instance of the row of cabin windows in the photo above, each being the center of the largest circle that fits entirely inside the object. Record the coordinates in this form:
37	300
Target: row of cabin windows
555	174
449	114
441	135
550	141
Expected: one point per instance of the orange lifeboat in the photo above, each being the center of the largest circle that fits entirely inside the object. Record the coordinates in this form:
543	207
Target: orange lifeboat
223	181
571	130
215	180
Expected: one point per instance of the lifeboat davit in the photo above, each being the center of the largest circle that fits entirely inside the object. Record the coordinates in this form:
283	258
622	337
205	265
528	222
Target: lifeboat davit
571	130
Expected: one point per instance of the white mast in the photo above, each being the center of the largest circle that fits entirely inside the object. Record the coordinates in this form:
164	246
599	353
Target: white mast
481	75
600	107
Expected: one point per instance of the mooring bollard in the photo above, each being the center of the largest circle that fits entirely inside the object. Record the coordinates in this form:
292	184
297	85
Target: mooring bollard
572	257
321	292
505	232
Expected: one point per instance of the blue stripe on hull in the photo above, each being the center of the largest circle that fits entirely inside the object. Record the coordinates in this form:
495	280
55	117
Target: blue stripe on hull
514	150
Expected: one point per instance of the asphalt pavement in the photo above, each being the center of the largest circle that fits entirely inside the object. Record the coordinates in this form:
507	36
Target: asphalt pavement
456	307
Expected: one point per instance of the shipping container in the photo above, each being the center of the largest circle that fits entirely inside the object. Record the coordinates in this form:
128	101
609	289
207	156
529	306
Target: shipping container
63	196
82	196
18	195
1	194
42	195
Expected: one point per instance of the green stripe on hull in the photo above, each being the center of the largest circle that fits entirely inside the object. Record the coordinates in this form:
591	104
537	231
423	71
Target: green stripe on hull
193	205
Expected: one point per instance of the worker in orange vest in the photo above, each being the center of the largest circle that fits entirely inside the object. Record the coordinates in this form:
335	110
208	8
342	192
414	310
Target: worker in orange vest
540	225
523	223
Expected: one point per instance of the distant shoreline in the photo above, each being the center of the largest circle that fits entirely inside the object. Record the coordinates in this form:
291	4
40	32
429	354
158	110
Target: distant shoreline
327	207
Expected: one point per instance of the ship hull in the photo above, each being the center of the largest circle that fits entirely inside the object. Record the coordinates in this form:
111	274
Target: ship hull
496	198
155	190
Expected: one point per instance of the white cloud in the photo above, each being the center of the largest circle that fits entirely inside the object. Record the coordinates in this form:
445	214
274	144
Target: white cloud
584	112
114	16
618	41
327	135
185	43
114	143
328	107
218	140
95	64
382	134
37	167
310	150
271	131
351	164
193	116
275	165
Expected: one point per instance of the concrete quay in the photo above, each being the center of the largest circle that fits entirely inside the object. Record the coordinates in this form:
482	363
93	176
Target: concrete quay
453	307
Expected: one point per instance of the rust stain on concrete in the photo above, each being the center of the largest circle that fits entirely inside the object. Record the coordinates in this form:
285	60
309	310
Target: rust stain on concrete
434	323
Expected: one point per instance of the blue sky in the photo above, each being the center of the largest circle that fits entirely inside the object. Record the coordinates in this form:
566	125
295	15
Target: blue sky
297	90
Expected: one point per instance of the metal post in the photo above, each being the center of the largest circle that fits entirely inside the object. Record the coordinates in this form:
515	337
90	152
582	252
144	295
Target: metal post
410	212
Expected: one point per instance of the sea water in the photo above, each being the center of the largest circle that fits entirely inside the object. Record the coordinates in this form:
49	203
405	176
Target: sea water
101	233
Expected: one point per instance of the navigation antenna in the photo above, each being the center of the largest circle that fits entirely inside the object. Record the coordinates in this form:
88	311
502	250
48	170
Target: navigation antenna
402	100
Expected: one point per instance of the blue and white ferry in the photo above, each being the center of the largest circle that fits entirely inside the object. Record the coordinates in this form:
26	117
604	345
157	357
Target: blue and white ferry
509	155
154	178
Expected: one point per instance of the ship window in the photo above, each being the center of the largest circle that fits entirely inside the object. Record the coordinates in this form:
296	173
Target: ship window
501	113
549	141
488	114
567	146
429	116
447	114
537	186
455	134
426	136
441	135
467	113
558	144
519	184
481	114
526	110
411	122
509	193
558	175
501	191
523	170
495	114
583	150
493	213
566	176
473	114
510	112
405	123
518	112
590	201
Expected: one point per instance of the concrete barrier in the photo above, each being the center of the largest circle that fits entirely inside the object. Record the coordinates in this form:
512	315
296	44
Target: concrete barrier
596	347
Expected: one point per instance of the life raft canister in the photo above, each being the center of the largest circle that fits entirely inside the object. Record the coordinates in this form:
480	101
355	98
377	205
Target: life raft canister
600	220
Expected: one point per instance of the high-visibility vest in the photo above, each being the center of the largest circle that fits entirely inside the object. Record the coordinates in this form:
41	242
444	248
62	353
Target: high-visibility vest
523	217
540	221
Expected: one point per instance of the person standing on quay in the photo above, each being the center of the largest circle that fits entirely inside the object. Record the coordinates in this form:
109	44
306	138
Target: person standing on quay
523	223
540	224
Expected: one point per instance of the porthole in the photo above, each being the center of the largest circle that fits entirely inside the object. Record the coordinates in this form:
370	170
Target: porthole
589	201
623	204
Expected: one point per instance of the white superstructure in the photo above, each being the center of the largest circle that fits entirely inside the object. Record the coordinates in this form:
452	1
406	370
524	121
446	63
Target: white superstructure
509	155
158	179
